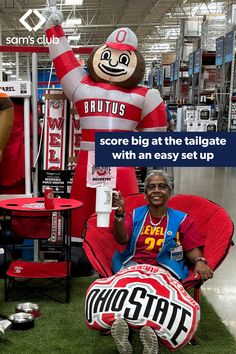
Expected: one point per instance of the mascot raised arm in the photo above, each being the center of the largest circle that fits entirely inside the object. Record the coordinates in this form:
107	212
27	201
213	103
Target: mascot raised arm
108	99
6	120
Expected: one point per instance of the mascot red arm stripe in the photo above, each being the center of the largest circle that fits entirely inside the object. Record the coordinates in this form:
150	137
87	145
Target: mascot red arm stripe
70	63
68	68
154	115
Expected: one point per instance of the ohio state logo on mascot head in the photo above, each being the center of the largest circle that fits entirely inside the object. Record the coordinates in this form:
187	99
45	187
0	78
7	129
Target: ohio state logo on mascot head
118	61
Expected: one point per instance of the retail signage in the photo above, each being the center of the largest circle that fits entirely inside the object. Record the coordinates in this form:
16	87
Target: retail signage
197	61
97	176
229	47
16	88
55	130
74	137
57	225
220	46
54	179
69	181
150	79
172	68
157	77
176	70
190	63
161	76
41	18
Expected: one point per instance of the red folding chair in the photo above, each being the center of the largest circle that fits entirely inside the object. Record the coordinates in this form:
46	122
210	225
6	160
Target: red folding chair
213	222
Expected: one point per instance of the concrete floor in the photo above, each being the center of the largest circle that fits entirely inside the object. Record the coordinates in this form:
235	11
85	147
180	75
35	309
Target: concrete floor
218	185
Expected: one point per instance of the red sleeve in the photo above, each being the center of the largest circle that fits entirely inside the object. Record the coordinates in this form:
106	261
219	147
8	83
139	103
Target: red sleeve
154	117
190	235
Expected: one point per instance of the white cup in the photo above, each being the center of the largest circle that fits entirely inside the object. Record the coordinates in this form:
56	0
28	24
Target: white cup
104	205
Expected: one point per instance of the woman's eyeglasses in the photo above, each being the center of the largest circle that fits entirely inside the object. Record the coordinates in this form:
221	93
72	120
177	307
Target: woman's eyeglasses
160	186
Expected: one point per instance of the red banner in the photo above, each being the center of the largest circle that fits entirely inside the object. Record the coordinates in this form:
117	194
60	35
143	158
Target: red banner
55	130
74	137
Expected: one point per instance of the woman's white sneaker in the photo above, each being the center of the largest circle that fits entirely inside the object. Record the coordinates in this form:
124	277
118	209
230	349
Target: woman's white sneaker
149	339
120	335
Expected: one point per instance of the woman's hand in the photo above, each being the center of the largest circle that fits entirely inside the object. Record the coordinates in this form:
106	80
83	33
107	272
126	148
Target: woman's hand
203	270
119	203
200	264
120	232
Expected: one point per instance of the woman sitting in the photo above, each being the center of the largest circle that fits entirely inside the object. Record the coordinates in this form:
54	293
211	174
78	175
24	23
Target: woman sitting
155	235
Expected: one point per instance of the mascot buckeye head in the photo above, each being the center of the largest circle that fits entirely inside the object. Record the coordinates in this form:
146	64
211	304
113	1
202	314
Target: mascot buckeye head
118	61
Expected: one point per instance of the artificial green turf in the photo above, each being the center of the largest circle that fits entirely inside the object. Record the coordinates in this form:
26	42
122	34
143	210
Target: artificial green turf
61	329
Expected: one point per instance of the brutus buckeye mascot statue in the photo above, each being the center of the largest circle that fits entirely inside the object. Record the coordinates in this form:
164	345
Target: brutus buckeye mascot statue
107	100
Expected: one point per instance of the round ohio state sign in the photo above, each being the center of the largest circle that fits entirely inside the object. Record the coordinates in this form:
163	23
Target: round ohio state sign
144	295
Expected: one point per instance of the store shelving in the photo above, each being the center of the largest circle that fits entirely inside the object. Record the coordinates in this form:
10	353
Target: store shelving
202	77
226	81
179	81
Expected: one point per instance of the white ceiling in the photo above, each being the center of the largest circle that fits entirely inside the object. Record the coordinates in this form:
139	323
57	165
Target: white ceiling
155	22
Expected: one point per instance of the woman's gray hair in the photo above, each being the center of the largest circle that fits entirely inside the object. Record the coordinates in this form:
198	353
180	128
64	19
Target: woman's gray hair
160	173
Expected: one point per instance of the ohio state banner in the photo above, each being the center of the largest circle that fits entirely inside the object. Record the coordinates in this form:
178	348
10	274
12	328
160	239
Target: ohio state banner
144	295
74	137
54	130
99	176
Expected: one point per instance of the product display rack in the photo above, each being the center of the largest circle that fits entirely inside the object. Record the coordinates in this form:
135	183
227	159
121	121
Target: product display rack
181	85
174	80
202	76
226	82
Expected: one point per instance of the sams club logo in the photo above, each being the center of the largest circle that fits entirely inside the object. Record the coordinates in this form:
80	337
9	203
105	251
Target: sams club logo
42	20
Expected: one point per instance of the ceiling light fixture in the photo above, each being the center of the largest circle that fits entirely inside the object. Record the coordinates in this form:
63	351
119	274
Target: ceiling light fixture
6	64
160	47
74	38
72	22
73	2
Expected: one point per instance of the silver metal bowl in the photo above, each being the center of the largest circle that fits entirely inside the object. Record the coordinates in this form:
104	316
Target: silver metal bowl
21	320
28	307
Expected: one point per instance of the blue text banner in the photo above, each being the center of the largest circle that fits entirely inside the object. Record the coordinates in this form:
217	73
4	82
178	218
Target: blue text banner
166	149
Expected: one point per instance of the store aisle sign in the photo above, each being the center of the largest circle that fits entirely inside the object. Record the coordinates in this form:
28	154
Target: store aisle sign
197	61
209	149
190	64
16	88
229	47
220	46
